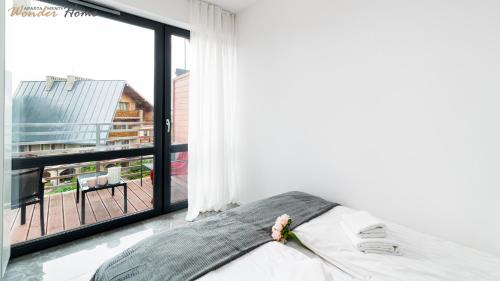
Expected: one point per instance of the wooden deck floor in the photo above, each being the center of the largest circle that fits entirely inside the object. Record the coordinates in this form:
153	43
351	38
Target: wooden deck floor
61	212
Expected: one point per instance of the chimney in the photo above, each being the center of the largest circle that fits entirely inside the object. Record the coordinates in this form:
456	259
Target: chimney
71	81
49	81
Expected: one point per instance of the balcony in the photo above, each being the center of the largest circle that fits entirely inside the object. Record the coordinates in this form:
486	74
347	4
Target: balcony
42	145
128	114
63	213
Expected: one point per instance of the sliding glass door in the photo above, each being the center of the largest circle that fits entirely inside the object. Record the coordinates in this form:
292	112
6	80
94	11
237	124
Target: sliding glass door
178	105
94	109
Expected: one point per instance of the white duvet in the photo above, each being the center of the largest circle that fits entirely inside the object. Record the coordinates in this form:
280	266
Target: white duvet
425	258
275	261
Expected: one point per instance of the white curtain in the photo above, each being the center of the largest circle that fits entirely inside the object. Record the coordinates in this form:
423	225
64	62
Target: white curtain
213	176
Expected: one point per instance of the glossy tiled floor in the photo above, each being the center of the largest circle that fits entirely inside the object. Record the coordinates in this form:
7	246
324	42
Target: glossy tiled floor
77	261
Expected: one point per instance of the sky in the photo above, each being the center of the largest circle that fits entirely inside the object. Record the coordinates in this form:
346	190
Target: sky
90	47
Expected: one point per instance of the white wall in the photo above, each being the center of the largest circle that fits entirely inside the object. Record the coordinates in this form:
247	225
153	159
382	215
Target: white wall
392	106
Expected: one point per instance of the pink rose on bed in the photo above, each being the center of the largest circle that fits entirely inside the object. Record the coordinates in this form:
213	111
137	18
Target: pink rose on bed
283	219
281	230
276	235
278	227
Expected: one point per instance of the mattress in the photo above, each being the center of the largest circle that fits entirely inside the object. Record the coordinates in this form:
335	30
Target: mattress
188	253
424	258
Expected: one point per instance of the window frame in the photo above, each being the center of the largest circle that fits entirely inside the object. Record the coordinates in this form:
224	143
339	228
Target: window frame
162	93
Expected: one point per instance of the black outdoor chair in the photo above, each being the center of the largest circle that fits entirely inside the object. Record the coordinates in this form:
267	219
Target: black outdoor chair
27	189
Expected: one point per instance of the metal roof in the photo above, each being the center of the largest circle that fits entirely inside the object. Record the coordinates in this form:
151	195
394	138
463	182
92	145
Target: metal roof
89	101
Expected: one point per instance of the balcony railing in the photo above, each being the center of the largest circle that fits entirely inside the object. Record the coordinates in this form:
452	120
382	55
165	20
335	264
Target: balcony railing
126	114
42	139
59	177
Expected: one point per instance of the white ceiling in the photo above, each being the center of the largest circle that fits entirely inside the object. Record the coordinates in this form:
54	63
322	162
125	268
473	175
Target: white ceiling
233	5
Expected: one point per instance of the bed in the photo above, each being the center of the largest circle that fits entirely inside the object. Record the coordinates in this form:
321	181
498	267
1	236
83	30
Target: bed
236	245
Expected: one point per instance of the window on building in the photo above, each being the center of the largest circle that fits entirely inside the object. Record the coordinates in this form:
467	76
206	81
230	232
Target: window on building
123	106
120	127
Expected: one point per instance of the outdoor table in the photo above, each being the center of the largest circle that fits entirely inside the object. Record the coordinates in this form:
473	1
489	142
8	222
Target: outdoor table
83	188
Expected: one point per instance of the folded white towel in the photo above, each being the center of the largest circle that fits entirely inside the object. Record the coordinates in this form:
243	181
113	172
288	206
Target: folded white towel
365	225
372	245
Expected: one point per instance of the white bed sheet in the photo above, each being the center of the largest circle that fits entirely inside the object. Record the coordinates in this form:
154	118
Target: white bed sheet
277	262
424	257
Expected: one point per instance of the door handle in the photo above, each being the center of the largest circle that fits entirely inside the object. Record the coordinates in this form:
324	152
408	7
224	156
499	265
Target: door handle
167	123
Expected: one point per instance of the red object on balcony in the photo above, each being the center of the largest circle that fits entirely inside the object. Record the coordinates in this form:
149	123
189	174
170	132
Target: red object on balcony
178	167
